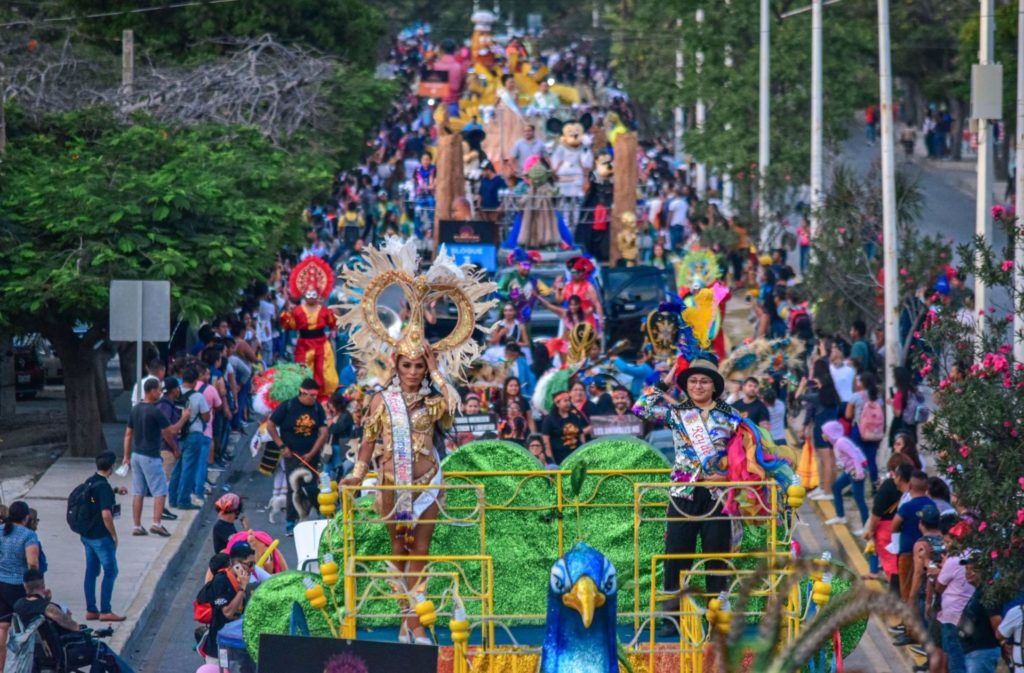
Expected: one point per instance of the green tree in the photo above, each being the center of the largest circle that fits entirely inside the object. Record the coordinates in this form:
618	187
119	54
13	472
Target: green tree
84	201
349	29
721	68
844	274
977	430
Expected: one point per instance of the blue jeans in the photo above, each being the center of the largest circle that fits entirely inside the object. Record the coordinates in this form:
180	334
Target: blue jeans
184	476
204	464
805	254
100	553
982	661
842	481
870	450
953	649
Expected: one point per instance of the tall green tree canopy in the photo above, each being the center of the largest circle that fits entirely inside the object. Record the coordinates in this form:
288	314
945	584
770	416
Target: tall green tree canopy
721	68
85	200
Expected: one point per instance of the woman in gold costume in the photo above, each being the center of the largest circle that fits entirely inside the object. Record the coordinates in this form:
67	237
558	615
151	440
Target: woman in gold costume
401	422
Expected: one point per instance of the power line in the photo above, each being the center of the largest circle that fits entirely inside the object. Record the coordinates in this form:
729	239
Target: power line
101	15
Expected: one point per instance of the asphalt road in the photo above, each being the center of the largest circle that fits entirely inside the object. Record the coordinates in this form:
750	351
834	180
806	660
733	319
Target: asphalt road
948	190
168	644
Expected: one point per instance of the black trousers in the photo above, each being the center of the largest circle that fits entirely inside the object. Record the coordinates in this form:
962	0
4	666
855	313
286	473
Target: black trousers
681	538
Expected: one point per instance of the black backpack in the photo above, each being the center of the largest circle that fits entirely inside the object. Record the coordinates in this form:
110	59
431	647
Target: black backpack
82	508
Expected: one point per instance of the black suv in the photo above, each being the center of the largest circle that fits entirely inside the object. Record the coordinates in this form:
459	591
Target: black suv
629	294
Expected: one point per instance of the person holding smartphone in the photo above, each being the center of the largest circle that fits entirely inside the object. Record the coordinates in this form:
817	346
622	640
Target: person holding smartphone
228	594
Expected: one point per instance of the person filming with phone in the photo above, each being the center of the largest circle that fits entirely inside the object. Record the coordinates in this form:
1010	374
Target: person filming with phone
228	593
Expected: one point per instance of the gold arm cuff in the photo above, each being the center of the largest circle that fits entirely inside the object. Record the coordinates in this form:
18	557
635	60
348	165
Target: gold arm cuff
360	469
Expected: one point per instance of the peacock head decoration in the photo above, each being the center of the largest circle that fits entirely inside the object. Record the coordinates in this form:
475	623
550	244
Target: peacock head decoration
582	607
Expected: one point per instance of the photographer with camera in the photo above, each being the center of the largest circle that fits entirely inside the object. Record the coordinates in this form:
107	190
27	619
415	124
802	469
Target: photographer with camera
76	643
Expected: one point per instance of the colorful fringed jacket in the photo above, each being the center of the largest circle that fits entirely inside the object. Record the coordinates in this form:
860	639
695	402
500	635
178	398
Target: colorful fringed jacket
742	452
721	422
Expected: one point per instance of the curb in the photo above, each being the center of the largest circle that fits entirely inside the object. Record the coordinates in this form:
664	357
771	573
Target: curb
140	603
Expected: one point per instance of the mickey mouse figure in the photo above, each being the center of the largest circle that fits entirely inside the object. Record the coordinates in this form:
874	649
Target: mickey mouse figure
571	161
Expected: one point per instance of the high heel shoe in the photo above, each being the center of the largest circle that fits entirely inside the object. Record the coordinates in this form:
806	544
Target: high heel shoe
422	640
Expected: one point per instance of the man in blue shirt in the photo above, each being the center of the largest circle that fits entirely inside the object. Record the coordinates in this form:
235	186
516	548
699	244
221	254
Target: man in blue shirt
639	372
490	188
906	524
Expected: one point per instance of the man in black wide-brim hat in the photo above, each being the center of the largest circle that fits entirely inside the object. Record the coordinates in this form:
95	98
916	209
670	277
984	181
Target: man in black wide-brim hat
702	427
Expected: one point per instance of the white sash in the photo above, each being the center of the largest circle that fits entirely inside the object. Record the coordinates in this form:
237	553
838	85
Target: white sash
401	445
700	438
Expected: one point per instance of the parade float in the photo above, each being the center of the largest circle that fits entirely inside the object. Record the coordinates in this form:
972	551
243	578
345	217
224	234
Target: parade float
486	588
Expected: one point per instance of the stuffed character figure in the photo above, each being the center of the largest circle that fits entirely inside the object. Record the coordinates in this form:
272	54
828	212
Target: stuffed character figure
538	225
592	232
571	162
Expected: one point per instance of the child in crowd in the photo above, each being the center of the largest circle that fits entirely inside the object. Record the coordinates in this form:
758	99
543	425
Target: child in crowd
852	462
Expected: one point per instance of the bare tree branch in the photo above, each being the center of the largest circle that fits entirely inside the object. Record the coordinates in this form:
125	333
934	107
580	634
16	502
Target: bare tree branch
263	83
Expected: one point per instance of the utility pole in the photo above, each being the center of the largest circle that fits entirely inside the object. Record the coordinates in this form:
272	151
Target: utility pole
983	200
677	113
890	241
816	116
1018	240
763	146
127	62
700	111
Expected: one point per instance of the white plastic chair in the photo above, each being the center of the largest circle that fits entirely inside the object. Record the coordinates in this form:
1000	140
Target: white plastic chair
307	543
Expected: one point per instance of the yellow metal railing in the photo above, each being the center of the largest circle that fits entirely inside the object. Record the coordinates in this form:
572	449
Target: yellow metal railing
468	506
694	630
642	501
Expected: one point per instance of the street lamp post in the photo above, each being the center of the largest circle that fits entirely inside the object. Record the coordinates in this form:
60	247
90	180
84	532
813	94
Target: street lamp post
889	237
699	115
816	115
677	113
983	208
763	128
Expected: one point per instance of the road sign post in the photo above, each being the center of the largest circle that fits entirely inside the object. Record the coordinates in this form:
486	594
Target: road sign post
140	311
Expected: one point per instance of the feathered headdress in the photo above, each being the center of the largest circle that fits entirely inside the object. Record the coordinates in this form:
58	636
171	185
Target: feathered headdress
397	263
311	275
700	319
697	269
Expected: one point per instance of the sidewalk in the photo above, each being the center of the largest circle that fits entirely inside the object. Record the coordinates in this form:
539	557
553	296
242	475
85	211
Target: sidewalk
142	561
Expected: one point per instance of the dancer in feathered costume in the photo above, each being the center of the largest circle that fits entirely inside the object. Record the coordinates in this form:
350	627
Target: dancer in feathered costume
554	381
401	420
312	279
713	443
518	286
763	358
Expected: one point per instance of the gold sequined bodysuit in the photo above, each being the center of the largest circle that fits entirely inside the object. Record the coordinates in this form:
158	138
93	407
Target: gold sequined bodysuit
424	412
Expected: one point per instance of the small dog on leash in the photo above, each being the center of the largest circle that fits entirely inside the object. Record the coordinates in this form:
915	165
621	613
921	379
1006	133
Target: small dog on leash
300	481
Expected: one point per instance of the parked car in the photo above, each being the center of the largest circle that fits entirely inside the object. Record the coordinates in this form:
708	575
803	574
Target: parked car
30	377
629	294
